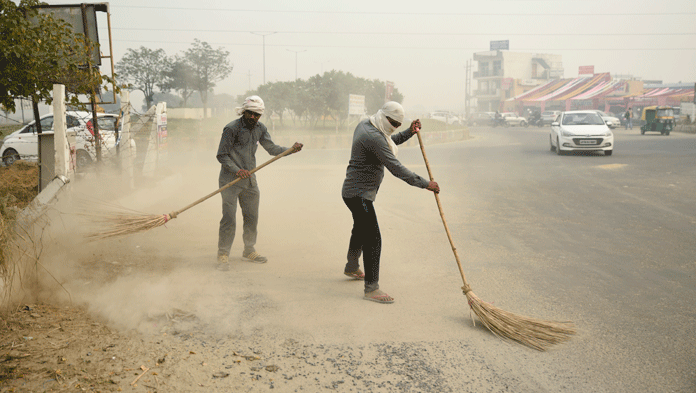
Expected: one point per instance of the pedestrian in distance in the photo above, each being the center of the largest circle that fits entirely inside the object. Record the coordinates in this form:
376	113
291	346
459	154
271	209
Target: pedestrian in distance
629	119
237	156
373	149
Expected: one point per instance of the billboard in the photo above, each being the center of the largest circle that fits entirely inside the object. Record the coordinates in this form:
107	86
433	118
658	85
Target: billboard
586	70
83	20
500	45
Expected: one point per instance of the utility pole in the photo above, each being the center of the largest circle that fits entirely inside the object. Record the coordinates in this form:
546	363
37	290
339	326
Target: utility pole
296	52
264	52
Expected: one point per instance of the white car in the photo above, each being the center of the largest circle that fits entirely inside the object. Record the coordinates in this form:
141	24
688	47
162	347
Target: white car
24	143
445	117
611	120
513	120
580	131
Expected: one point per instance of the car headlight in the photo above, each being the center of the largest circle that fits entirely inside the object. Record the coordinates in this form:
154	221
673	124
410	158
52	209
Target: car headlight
566	133
608	133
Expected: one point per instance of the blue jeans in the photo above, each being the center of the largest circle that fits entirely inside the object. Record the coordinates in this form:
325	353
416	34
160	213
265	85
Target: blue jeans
248	198
365	238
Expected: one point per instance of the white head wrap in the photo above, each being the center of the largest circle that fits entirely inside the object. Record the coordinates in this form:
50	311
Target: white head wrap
393	110
252	103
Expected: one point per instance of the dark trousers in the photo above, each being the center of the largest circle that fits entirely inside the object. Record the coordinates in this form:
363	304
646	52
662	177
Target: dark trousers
248	198
365	239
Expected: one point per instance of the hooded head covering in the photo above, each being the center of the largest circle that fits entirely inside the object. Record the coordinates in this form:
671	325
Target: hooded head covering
252	103
393	110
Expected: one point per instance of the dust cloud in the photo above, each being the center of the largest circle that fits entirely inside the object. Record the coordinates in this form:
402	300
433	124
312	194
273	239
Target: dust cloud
145	281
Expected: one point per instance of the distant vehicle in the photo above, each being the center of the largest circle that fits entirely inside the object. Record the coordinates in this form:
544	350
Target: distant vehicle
445	117
611	120
513	120
580	131
481	119
24	143
549	117
657	118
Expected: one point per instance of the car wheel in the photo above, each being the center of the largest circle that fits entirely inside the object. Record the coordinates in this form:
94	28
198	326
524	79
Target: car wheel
558	148
608	152
524	124
667	133
82	160
551	146
9	157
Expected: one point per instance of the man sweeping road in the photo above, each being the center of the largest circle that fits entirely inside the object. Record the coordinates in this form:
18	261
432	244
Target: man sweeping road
374	147
237	154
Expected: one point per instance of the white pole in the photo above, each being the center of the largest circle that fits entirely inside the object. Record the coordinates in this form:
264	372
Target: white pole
60	138
127	150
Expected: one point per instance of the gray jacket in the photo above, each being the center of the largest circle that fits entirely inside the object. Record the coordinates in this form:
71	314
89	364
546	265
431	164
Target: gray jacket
237	150
368	157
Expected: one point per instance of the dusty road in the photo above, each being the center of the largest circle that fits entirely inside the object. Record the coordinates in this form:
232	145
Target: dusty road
607	242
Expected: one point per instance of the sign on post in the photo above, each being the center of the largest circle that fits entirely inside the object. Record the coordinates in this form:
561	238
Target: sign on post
356	104
500	45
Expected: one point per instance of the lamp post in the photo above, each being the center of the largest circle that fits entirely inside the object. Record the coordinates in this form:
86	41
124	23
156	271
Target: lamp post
296	52
264	51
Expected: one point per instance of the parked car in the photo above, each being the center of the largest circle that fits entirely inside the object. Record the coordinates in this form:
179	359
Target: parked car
581	131
513	120
445	117
24	143
481	119
549	117
611	120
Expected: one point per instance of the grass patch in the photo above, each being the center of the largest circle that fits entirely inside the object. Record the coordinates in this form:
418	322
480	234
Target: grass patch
19	185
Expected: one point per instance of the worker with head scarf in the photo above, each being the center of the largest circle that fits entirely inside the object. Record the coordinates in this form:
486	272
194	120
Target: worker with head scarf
237	155
374	148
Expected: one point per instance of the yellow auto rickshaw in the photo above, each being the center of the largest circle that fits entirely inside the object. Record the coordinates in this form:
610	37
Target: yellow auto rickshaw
657	118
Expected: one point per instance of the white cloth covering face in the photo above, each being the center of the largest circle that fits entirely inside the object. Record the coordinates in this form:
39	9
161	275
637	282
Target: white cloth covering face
252	103
393	110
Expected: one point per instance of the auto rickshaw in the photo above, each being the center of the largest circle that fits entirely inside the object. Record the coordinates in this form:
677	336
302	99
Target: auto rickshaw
657	118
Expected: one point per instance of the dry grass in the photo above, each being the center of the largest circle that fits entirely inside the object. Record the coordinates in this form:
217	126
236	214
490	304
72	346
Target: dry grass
19	185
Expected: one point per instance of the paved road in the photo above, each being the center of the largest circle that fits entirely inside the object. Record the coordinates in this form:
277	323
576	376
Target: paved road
607	242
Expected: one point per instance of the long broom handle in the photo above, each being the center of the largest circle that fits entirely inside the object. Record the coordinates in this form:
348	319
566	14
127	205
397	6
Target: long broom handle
442	215
230	184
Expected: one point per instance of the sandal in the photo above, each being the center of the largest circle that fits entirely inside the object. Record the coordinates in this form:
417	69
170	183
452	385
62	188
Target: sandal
379	297
254	257
357	275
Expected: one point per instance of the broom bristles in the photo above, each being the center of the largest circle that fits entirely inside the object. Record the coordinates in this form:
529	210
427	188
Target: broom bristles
532	332
120	224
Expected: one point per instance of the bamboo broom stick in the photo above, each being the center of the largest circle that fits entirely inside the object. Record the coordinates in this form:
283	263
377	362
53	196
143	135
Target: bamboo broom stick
122	224
534	333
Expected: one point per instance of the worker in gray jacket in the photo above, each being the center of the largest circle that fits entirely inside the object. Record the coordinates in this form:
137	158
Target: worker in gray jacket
374	148
237	154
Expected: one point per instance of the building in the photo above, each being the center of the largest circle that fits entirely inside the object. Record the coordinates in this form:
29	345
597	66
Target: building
502	75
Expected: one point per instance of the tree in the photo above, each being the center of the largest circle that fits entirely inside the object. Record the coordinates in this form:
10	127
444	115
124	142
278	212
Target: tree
143	69
37	51
209	66
179	77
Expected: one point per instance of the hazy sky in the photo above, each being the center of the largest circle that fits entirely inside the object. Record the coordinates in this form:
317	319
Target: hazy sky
421	46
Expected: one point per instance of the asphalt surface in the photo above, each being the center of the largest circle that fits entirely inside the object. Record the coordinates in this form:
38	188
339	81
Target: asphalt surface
605	242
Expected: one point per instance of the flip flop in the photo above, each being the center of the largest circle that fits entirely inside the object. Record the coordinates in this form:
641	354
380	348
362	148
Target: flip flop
357	275
378	297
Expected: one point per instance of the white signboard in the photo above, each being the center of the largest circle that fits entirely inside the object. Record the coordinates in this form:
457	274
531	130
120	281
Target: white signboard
356	104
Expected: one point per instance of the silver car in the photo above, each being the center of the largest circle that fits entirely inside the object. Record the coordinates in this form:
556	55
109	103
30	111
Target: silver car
611	120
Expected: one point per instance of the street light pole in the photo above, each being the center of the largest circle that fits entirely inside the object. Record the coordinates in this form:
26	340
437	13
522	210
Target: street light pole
296	52
264	52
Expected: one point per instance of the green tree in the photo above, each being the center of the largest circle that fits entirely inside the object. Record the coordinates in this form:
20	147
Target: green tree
209	66
143	69
179	76
37	51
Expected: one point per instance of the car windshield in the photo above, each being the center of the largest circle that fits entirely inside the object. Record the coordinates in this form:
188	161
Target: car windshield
582	119
665	112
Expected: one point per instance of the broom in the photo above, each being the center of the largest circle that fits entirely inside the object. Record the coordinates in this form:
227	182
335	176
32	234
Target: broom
123	224
534	333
